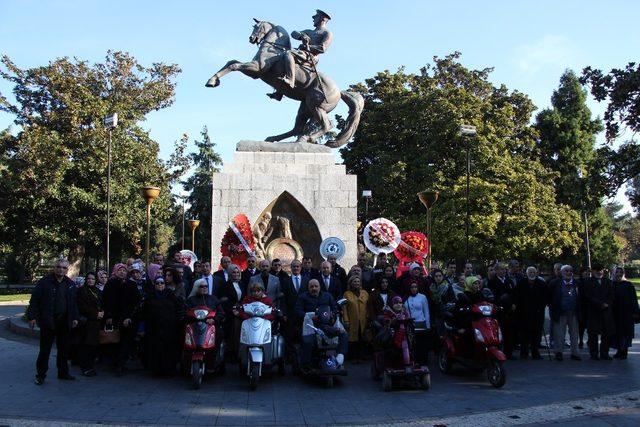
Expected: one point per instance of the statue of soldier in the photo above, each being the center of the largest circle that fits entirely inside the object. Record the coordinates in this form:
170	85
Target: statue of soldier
314	43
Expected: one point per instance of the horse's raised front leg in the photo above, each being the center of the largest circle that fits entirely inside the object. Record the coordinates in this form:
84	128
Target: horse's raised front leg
251	69
301	119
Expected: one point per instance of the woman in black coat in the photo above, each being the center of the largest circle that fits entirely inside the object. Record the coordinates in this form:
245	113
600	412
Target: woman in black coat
162	313
91	314
230	294
626	313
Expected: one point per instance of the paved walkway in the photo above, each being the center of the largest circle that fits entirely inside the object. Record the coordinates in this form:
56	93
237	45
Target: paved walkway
536	391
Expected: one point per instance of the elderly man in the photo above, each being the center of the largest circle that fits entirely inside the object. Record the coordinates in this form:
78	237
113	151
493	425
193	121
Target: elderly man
329	282
564	309
309	302
270	282
530	301
225	261
54	309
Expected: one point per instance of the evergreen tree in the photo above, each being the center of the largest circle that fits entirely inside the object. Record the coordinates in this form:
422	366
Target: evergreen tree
567	137
206	161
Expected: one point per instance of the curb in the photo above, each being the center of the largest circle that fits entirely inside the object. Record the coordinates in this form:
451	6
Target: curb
20	327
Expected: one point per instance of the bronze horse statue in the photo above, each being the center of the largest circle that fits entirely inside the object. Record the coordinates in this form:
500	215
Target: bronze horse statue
317	93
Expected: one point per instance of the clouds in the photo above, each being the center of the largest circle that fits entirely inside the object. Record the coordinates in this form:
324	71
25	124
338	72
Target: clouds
549	52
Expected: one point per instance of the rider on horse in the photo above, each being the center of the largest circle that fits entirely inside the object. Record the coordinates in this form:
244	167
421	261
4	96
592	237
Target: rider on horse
314	43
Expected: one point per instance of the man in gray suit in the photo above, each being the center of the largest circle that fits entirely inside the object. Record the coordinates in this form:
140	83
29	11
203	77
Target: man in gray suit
271	283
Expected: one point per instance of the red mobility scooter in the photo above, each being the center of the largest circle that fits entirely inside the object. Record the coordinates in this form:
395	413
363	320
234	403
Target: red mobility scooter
201	353
394	359
477	348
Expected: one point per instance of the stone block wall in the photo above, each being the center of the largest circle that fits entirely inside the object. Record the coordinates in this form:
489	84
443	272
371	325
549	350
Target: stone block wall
254	179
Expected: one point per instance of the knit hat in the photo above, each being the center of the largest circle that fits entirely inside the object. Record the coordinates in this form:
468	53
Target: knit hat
414	265
395	300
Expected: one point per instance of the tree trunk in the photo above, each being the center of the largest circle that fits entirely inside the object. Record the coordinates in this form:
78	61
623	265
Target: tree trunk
76	256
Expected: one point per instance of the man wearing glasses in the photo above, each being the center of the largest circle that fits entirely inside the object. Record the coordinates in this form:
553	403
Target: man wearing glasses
53	308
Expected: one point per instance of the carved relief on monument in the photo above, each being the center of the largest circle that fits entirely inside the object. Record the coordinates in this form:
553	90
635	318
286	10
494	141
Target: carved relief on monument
286	230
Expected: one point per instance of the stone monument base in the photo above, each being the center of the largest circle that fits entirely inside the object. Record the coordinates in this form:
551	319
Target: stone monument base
295	197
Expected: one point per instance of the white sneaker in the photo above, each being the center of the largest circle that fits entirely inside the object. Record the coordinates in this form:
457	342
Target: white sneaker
340	359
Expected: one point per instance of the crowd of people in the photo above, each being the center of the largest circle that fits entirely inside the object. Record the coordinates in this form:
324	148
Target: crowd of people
138	311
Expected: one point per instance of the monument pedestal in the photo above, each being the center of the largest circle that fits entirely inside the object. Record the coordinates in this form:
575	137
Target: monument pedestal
294	200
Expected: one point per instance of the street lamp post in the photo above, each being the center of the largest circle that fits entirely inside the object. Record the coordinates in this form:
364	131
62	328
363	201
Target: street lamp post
193	224
366	195
149	194
110	122
586	220
428	199
468	131
184	196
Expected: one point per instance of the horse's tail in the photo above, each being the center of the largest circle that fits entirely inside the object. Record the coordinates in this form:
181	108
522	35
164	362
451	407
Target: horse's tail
355	101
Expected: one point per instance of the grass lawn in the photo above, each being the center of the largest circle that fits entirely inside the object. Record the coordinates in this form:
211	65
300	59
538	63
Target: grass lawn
15	297
636	283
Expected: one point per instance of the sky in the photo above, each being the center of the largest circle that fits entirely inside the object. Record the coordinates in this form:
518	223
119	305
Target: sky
528	43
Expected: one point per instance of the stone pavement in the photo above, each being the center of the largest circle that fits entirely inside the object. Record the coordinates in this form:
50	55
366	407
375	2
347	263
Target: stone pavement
535	391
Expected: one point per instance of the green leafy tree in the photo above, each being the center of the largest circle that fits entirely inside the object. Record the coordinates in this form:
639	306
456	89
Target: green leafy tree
206	161
408	140
54	195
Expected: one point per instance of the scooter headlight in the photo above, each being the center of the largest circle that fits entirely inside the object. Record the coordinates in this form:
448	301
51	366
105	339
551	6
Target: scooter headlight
479	336
485	310
201	314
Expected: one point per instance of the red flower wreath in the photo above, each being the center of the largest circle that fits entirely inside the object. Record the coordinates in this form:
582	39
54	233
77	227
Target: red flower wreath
413	246
232	246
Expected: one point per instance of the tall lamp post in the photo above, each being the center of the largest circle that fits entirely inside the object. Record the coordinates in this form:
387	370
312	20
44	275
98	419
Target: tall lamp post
110	122
193	224
149	194
428	199
586	219
184	196
467	131
366	195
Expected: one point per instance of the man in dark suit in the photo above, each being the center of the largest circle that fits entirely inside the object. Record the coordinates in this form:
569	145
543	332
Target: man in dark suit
214	283
338	272
329	283
599	299
308	272
530	301
53	308
276	270
504	292
225	261
250	271
292	287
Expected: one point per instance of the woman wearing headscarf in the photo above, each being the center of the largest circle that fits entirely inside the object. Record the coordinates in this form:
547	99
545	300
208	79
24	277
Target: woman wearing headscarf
390	274
162	312
121	302
417	305
91	314
355	317
626	313
153	271
379	299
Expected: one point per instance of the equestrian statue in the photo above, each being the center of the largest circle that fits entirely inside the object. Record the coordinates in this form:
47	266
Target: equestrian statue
293	73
